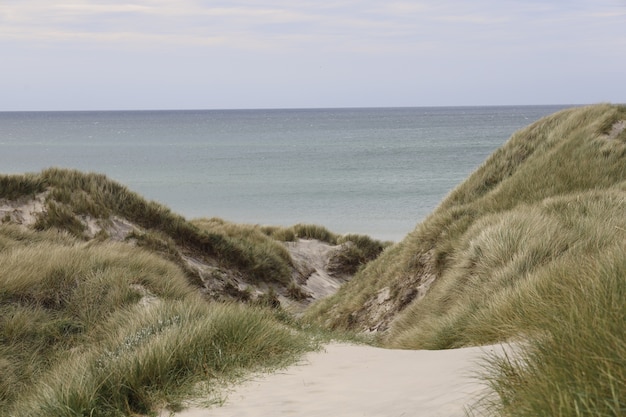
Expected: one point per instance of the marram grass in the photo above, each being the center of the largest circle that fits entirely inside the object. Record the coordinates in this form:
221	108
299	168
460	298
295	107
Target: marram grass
150	356
104	329
255	251
529	249
578	366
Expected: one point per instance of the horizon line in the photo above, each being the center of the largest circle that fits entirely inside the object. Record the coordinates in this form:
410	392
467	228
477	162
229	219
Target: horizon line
298	108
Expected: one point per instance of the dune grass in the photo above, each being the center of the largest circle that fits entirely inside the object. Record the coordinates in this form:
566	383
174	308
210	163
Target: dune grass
265	243
104	329
578	366
528	248
101	328
266	254
74	194
17	186
506	262
540	162
150	356
253	250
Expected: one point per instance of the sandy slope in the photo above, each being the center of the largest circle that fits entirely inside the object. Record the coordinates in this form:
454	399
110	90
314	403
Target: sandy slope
347	380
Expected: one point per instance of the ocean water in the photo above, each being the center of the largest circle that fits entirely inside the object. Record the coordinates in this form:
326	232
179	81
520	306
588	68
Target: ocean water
372	171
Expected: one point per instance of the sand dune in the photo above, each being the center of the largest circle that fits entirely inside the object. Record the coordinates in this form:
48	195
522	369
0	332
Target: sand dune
348	380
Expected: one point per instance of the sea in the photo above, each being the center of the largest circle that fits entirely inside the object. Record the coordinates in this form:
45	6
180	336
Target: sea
374	171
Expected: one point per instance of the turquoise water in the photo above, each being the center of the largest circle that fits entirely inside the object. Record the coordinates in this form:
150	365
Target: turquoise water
372	171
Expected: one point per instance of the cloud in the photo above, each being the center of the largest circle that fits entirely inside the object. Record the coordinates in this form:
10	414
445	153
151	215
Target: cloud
341	47
189	20
348	25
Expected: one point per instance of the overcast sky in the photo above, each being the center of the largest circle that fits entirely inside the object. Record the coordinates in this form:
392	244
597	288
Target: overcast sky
187	54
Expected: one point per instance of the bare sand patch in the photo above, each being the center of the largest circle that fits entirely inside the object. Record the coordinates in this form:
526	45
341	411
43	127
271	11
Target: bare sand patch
311	260
349	380
24	211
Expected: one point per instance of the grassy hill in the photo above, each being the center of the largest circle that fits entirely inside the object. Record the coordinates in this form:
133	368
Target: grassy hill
531	247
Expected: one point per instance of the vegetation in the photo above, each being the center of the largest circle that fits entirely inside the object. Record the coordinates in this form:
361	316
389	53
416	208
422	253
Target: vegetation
96	196
104	329
91	325
17	186
580	368
255	251
529	247
528	250
265	244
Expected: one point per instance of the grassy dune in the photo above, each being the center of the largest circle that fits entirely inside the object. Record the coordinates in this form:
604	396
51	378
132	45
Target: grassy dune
105	329
530	247
104	325
250	253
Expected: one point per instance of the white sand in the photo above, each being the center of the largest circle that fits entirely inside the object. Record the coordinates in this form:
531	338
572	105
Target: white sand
347	380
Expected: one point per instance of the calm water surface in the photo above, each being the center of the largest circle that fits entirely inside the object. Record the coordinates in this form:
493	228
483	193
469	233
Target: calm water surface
372	171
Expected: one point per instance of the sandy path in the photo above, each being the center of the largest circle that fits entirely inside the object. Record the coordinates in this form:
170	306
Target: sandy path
349	381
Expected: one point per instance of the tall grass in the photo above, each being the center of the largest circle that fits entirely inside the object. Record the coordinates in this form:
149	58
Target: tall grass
542	161
264	255
55	290
500	267
74	194
578	366
104	329
16	186
151	356
265	244
529	248
253	250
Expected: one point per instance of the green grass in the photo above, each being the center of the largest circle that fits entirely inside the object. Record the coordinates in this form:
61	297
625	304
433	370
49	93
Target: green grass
254	251
16	186
538	163
74	194
89	326
153	355
264	254
528	248
104	329
501	268
265	245
578	367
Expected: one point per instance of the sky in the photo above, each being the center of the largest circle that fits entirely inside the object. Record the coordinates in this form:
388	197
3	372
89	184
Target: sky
192	54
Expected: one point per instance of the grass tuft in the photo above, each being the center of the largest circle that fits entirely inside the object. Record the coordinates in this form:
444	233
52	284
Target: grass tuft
19	186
